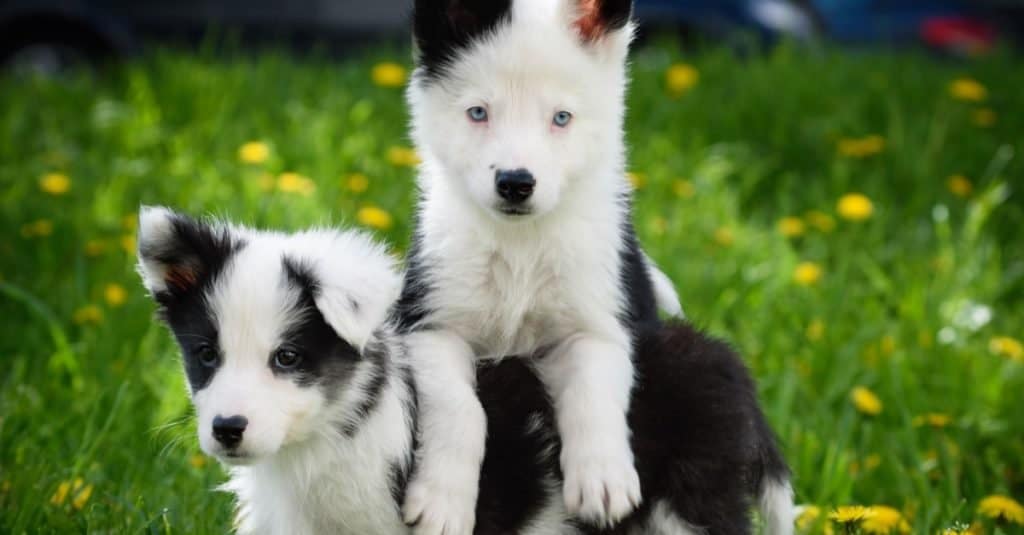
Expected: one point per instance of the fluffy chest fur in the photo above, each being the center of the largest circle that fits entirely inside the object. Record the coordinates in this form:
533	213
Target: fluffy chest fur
329	484
517	289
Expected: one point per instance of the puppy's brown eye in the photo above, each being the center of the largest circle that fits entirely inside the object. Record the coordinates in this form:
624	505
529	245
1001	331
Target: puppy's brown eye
207	355
286	359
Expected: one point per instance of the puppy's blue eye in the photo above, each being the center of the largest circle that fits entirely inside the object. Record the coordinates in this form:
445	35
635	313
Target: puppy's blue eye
286	359
207	355
477	114
562	118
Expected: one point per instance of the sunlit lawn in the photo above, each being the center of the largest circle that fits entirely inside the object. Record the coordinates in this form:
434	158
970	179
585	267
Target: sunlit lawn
852	223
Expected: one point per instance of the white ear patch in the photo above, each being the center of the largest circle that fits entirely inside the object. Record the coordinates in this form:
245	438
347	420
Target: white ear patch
156	228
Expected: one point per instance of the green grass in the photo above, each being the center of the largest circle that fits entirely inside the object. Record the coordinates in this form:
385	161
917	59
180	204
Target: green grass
755	140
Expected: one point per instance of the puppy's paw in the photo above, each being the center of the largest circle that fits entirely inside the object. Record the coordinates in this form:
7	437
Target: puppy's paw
440	506
600	488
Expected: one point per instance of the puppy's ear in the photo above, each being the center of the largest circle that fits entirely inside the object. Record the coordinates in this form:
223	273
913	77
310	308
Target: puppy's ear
337	308
442	28
604	28
179	255
596	19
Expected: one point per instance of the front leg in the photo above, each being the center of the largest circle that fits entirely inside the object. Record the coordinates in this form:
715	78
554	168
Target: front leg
441	496
590	381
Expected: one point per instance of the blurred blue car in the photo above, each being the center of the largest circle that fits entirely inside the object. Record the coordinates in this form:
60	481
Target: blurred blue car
767	20
958	26
954	26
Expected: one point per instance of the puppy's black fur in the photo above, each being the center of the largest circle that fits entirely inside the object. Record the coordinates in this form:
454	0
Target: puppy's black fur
701	442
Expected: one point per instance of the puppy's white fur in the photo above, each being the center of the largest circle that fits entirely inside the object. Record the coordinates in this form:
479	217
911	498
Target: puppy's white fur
544	283
296	472
302	475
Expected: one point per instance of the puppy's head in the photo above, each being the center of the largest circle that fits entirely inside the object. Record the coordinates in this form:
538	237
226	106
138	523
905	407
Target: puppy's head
514	103
275	330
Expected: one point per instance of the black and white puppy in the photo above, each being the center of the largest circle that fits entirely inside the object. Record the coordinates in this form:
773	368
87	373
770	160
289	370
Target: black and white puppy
524	244
306	394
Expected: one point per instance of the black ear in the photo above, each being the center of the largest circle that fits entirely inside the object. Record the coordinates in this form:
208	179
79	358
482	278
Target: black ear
179	255
443	28
596	18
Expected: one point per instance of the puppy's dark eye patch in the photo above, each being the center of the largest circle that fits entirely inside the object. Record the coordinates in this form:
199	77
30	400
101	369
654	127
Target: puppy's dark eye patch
311	352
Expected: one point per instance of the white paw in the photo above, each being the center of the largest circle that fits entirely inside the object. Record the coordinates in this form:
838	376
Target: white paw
439	507
600	489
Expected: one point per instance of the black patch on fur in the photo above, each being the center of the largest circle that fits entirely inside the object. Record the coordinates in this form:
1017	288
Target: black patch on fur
401	470
193	326
408	312
701	442
301	276
642	308
376	356
327	360
444	28
615	14
519	454
194	255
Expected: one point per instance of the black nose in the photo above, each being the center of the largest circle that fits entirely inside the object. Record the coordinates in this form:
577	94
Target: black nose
228	431
514	186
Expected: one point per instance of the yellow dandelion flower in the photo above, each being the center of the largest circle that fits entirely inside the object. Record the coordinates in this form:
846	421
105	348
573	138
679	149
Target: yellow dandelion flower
855	207
197	460
807	274
885	520
388	74
850	514
88	314
820	220
872	461
860	147
815	330
683	189
253	152
866	401
128	243
114	295
680	78
403	157
887	345
80	499
637	180
984	117
1005	346
77	489
968	89
129	222
55	183
295	183
959	185
357	182
809	515
724	236
40	228
372	216
61	494
791	227
94	248
1002	508
937	420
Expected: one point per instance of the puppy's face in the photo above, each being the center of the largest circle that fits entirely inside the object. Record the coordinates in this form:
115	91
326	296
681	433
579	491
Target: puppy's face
515	102
275	330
